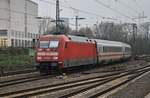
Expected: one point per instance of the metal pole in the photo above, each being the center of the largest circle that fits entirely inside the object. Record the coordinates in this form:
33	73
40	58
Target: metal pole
76	23
134	38
25	21
57	16
9	30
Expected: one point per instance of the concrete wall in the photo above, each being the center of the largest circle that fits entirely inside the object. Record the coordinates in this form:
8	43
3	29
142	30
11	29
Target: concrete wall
32	10
19	18
17	15
4	16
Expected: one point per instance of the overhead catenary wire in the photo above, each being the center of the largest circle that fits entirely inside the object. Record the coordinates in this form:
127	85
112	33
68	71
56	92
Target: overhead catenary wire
79	10
114	10
68	7
87	12
91	13
127	6
137	4
138	16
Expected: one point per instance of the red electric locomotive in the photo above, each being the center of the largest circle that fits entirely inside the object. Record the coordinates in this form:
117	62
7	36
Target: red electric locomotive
61	51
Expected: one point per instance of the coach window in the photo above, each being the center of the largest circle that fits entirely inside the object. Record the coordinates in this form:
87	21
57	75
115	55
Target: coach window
3	32
112	49
127	49
99	49
106	49
116	49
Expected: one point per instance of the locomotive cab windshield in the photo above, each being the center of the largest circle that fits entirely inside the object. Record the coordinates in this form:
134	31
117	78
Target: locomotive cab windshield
48	44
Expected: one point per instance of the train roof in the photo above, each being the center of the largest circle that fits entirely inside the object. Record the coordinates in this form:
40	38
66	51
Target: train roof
99	41
110	43
86	39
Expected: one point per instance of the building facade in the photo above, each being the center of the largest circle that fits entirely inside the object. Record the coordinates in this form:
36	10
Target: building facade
18	23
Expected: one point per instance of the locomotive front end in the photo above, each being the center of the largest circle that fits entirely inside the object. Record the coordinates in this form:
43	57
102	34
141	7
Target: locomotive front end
47	55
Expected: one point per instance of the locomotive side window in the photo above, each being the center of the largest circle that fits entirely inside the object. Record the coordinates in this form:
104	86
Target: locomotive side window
43	44
66	44
53	44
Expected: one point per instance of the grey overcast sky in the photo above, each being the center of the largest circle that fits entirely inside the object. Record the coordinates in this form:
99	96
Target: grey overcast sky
93	10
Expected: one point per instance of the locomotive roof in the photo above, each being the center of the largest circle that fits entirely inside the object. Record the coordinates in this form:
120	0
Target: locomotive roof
77	38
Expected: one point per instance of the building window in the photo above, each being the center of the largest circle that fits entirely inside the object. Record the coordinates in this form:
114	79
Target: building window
12	33
22	34
3	32
12	42
30	35
19	34
3	42
15	34
23	43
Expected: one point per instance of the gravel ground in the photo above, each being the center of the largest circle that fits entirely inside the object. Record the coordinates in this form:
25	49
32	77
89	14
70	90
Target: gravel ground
129	65
48	81
147	96
138	88
14	77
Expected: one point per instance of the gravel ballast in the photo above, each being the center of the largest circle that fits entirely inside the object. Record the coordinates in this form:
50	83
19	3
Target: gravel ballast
137	88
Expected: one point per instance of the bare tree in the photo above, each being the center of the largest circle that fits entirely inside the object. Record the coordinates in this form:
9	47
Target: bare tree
45	25
85	32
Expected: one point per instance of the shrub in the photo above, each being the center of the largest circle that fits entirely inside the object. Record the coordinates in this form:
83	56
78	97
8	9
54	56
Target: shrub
15	59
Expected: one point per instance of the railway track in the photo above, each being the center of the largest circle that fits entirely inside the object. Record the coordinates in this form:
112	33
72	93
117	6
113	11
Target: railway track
52	88
36	76
3	74
93	90
81	87
26	74
24	80
81	84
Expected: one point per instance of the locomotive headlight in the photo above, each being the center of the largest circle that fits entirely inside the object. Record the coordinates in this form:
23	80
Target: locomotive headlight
39	58
47	49
40	49
55	58
54	53
41	53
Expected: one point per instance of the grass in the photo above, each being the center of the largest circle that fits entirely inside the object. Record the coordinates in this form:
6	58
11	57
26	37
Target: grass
12	59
